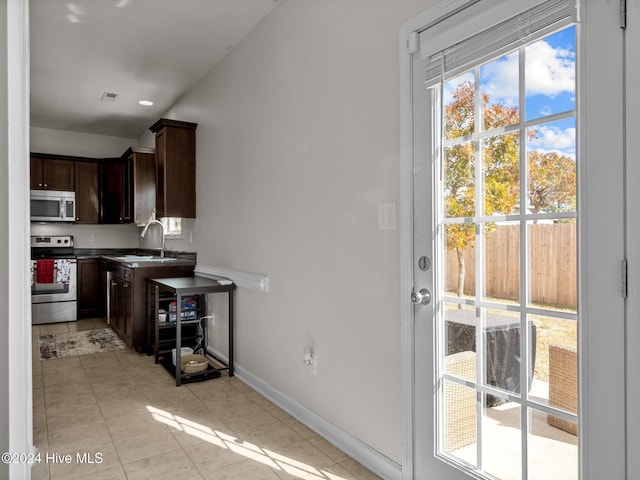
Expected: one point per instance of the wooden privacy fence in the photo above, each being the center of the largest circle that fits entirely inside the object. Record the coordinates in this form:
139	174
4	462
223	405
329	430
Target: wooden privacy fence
552	262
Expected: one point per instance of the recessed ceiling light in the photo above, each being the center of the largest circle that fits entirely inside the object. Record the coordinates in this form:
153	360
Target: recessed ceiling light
146	103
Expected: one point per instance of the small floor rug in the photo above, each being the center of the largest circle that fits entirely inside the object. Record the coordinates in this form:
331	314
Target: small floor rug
73	344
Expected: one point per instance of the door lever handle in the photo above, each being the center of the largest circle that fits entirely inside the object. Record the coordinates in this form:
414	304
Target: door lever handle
422	297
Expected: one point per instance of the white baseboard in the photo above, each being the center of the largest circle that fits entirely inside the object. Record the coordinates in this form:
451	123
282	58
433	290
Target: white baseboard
355	448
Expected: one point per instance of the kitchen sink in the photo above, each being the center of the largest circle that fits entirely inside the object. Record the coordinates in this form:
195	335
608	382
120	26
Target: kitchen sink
145	258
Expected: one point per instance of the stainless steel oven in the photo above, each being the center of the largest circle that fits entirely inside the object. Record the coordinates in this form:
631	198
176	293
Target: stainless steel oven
54	273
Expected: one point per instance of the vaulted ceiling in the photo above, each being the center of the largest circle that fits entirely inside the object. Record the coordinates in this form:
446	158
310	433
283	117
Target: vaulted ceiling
92	61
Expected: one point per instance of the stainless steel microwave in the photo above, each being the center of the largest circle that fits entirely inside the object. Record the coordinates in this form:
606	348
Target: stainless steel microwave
53	206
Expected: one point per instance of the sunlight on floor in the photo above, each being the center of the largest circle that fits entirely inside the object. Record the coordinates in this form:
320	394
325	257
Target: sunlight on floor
249	450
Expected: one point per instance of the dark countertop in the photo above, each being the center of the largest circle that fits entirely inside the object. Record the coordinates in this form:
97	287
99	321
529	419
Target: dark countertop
146	263
139	258
99	252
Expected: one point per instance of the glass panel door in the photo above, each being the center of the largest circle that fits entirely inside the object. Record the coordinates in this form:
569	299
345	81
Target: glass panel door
506	250
511	276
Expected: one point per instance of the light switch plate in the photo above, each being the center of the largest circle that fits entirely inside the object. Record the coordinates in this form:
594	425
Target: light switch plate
387	216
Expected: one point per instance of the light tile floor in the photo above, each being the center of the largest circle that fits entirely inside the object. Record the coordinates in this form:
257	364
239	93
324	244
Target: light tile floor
120	416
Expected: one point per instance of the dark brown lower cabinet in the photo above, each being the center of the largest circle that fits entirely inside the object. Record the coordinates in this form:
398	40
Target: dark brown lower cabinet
90	288
127	309
121	308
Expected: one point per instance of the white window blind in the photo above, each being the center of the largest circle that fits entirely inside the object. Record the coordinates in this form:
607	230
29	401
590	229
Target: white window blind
499	39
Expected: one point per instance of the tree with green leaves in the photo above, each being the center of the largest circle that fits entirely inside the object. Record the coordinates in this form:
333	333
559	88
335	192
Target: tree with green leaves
551	182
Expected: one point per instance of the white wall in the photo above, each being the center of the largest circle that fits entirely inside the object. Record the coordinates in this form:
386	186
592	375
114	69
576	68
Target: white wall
61	142
297	145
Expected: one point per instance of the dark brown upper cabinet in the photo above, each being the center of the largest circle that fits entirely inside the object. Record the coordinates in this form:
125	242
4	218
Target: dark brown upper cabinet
114	200
87	191
128	186
140	163
176	168
52	172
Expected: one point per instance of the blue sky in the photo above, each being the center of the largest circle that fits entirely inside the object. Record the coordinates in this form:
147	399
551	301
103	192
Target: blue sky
549	87
554	59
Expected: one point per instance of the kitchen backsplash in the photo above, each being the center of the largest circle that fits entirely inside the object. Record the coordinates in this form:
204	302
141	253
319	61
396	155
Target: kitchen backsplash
92	236
117	236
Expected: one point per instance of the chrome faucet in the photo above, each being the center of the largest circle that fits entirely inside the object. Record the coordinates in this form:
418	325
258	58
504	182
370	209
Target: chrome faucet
146	227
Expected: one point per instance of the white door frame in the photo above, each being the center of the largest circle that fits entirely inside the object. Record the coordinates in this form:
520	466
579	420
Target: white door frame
601	248
20	389
632	176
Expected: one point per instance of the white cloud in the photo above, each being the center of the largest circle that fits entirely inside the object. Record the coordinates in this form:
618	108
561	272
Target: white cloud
550	71
549	136
555	139
500	79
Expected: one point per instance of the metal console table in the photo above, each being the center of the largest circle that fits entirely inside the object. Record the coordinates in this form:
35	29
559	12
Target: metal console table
185	287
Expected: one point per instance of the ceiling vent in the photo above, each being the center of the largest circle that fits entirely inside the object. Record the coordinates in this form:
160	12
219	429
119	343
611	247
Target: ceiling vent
109	97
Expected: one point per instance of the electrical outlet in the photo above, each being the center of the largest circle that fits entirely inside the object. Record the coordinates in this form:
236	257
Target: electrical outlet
310	359
313	368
